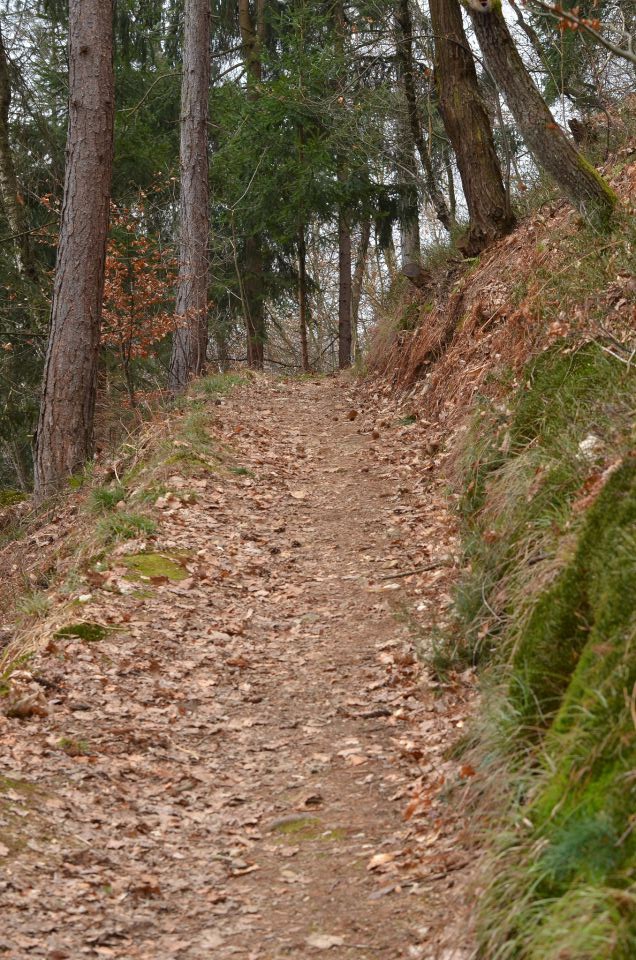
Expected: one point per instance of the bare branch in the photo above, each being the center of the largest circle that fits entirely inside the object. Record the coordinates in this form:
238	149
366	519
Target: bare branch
568	18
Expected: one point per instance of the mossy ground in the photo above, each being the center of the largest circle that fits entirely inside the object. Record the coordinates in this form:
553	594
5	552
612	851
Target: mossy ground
549	605
308	829
109	511
9	497
145	566
90	632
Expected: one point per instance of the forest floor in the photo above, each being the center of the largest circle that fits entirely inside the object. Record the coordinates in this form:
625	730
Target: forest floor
252	762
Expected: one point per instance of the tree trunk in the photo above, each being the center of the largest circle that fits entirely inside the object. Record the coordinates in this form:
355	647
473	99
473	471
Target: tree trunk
358	278
252	35
404	55
551	148
253	302
407	178
65	429
344	227
344	292
450	181
220	327
16	455
302	297
190	340
9	190
468	127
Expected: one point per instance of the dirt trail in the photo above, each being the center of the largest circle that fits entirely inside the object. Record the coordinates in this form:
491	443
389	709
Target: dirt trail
247	741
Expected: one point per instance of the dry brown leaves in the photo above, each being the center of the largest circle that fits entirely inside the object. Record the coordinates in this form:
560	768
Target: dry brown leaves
252	762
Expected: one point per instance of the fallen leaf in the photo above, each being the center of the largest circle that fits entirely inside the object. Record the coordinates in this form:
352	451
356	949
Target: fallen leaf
380	860
324	941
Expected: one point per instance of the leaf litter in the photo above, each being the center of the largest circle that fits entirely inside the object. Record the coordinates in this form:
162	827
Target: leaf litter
252	760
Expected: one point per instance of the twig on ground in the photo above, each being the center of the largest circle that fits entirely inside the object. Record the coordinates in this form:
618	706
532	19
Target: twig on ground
424	569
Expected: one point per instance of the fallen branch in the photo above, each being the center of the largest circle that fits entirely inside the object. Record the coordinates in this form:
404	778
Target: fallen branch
424	569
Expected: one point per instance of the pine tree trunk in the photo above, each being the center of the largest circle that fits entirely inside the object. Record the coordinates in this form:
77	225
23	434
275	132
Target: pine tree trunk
65	430
252	36
410	248
344	292
253	303
344	228
16	455
468	127
190	340
551	148
220	335
450	181
358	276
404	55
302	297
9	190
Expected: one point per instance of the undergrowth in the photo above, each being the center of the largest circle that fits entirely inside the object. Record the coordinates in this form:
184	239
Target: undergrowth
104	507
548	605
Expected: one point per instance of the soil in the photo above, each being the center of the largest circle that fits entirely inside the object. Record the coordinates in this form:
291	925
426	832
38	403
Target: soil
252	762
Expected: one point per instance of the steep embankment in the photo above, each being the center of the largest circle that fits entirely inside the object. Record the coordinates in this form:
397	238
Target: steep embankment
523	366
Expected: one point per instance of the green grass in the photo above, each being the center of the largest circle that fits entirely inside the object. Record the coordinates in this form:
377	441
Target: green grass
105	499
10	497
33	605
125	526
548	606
219	384
523	470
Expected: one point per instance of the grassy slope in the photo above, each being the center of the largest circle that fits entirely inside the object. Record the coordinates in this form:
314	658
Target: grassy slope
531	347
100	509
550	606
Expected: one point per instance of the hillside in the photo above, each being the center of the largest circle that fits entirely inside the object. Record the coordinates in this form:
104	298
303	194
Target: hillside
521	366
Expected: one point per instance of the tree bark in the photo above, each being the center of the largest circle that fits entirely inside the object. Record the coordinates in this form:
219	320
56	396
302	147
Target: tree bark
65	429
468	127
404	56
410	248
344	227
190	340
551	148
9	189
16	455
253	303
252	36
302	297
344	292
358	277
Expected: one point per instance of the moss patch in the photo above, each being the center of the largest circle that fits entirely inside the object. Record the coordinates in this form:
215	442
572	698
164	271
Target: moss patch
550	604
9	498
145	566
90	632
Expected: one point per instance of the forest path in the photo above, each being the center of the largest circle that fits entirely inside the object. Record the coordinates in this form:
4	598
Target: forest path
239	754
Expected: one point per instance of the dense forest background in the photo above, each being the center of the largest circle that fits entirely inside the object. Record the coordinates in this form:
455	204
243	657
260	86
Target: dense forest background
332	169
